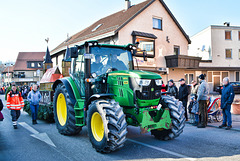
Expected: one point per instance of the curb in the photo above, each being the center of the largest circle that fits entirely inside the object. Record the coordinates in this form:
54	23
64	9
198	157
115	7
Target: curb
233	129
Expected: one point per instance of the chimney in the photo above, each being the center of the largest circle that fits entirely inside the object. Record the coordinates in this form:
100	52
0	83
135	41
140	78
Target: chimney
227	24
127	4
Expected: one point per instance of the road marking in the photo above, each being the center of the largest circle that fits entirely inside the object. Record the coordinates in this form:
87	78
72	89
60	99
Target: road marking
28	127
40	136
163	150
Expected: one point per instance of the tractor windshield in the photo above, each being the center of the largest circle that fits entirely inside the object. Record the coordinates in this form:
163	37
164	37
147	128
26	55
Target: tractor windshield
106	58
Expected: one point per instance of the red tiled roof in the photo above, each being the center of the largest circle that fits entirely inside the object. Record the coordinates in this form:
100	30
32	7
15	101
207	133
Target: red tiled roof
51	75
109	23
114	22
24	57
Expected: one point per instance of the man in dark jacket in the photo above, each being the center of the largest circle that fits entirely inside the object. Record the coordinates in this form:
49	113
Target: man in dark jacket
226	101
172	89
183	95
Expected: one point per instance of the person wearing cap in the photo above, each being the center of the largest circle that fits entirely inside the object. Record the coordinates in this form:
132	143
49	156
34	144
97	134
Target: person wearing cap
183	95
226	101
172	89
202	98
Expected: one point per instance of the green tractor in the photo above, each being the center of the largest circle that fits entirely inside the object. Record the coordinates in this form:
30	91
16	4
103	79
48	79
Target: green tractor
106	94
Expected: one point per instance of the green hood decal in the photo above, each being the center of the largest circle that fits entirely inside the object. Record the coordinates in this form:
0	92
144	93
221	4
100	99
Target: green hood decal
137	74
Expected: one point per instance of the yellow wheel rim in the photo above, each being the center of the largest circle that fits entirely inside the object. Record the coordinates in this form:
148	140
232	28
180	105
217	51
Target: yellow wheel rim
61	109
97	126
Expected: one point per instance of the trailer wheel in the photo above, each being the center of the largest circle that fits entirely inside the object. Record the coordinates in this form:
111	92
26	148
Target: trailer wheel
107	127
178	119
64	113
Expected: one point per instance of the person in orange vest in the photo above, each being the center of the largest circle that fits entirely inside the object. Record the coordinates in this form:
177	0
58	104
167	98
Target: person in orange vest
14	103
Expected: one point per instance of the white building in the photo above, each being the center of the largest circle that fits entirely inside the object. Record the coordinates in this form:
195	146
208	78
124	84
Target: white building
219	47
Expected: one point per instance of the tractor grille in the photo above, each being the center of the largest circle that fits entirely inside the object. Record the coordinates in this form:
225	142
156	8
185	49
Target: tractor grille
150	92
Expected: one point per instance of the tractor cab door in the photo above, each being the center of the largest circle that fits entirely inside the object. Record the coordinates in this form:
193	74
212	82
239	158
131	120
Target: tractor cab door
77	70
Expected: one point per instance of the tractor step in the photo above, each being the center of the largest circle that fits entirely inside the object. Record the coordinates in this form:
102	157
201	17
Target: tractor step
79	112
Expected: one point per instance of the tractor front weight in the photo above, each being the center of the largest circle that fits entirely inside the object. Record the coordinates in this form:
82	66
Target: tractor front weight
149	119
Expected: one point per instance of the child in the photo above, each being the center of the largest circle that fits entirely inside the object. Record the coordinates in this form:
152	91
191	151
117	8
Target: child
195	109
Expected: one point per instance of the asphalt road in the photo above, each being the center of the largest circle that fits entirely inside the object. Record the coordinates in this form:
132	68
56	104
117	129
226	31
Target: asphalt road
42	142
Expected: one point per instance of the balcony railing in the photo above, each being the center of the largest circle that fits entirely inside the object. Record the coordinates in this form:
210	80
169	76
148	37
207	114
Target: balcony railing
182	61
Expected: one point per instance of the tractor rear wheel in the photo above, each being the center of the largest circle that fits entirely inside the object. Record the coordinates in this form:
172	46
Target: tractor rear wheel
64	113
107	127
178	119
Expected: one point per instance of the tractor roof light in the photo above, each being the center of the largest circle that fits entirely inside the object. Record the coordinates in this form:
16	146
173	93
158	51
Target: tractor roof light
158	82
143	82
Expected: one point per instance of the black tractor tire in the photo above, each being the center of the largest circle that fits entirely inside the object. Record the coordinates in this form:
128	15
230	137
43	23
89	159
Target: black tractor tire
114	126
178	119
68	127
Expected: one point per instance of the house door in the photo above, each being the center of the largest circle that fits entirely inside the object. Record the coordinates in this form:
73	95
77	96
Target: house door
216	82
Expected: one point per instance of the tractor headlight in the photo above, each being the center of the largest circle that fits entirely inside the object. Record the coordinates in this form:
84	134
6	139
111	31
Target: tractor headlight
143	82
158	82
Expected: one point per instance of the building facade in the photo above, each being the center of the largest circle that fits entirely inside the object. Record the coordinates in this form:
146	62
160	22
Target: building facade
151	26
28	68
219	47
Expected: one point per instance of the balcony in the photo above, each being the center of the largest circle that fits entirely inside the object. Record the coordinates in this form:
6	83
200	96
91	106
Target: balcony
182	61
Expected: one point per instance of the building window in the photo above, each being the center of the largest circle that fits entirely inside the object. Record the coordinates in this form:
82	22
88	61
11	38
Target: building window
239	54
228	53
176	50
224	74
32	65
56	60
209	76
157	23
188	78
228	35
39	65
237	77
145	44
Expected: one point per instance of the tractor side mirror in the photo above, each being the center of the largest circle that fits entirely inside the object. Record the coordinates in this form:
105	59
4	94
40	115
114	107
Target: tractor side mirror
144	55
74	52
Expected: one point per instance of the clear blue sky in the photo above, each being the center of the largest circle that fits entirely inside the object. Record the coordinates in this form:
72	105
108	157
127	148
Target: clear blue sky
24	24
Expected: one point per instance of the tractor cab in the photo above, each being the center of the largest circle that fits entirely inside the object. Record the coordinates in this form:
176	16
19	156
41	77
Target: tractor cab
92	62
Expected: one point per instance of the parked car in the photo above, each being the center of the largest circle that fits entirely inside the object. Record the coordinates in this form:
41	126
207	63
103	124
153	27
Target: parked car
236	88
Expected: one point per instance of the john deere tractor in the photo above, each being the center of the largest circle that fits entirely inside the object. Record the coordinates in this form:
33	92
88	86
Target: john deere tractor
106	94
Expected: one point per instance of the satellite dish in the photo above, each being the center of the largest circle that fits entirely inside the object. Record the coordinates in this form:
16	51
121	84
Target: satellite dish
203	47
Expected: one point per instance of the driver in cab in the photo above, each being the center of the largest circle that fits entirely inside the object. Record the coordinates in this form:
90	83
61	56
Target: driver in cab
115	63
97	64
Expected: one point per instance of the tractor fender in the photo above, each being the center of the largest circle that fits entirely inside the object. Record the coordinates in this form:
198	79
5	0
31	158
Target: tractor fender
97	96
68	87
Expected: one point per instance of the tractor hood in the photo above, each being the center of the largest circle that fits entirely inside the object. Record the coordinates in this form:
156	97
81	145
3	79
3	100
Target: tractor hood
136	74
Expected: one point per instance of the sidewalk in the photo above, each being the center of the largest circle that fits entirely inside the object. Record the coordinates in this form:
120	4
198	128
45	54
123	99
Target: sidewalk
235	123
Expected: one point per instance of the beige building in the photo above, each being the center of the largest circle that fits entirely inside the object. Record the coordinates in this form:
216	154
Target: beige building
219	47
153	26
25	70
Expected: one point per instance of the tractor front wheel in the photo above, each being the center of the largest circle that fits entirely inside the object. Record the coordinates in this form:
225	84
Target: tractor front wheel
64	113
178	119
107	127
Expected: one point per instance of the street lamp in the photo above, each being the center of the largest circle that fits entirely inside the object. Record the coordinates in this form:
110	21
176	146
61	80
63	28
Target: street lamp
8	65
